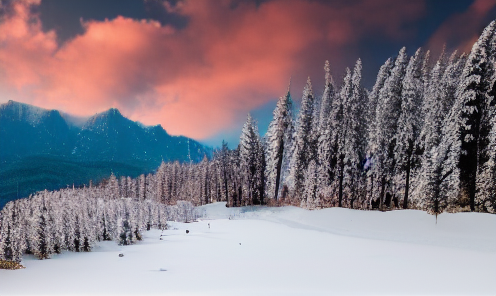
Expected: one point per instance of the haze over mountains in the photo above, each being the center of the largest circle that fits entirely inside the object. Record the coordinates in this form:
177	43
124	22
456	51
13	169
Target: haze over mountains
47	149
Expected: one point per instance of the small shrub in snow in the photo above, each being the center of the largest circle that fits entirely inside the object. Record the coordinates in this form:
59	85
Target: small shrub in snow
10	265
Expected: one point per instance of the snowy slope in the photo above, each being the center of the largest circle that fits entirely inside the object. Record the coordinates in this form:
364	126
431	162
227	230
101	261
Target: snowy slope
282	251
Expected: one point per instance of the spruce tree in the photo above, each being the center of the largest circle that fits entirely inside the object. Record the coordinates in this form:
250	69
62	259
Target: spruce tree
388	110
278	139
438	99
409	126
251	162
485	198
373	99
353	148
474	98
327	124
310	198
303	150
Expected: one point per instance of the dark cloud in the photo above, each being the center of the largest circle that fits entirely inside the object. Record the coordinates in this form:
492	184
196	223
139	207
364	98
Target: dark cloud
65	16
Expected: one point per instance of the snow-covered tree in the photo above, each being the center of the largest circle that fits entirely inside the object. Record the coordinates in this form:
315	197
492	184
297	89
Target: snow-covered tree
438	99
303	145
409	126
278	141
353	148
469	125
310	198
327	124
251	163
388	110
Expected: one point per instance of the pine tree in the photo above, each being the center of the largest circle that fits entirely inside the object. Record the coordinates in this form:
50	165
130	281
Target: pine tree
327	124
353	148
485	198
327	99
278	140
372	112
474	97
486	179
310	198
388	110
409	126
250	162
438	98
224	170
303	150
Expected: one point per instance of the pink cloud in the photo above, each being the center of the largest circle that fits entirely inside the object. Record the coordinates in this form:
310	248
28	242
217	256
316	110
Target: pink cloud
196	81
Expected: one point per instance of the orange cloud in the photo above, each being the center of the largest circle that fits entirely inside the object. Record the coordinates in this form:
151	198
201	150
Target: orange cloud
196	81
462	30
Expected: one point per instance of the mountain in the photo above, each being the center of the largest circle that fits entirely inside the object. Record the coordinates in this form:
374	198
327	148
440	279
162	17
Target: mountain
27	130
46	149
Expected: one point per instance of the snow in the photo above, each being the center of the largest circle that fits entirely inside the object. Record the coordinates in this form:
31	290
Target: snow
282	251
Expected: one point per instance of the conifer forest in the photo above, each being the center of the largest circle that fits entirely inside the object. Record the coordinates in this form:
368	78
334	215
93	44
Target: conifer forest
424	137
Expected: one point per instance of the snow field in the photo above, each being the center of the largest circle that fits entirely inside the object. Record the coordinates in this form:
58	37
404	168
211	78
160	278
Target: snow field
282	251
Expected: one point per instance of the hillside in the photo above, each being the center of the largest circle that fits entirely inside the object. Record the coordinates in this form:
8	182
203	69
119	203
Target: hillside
47	149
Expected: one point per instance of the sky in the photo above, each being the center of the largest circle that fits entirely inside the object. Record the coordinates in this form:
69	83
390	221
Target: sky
198	67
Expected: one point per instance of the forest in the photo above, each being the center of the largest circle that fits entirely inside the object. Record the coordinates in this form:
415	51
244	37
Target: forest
424	137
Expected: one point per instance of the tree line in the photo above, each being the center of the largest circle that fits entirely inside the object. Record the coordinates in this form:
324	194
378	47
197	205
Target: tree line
49	222
424	137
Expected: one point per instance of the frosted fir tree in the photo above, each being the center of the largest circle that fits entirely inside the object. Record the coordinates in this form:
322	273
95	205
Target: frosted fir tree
142	187
327	98
278	141
474	97
303	150
55	211
41	234
485	197
353	148
250	162
310	198
388	110
409	125
438	99
327	124
261	180
162	187
373	98
224	169
112	190
132	190
150	187
123	189
13	243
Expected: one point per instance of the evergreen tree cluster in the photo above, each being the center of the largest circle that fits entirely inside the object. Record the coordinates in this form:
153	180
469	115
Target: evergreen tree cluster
75	219
424	137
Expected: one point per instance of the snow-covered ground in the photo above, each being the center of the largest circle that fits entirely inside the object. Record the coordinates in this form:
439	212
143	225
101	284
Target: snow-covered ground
282	251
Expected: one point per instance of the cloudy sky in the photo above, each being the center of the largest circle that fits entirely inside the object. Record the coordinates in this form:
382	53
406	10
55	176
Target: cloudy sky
197	67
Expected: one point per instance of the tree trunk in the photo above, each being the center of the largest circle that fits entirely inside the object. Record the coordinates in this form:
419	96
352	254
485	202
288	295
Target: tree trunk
278	168
407	181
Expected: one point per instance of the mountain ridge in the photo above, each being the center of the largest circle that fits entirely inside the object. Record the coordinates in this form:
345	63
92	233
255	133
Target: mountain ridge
97	144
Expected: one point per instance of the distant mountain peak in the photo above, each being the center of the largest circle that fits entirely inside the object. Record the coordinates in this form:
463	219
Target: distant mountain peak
113	111
110	113
22	111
